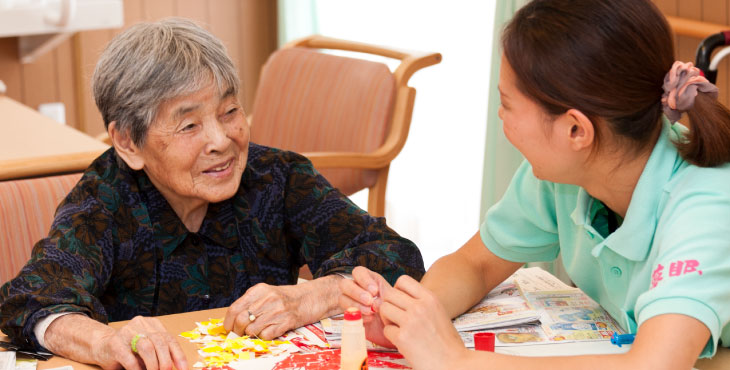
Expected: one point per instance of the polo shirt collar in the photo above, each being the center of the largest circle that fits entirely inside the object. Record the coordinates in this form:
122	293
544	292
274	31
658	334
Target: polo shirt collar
633	238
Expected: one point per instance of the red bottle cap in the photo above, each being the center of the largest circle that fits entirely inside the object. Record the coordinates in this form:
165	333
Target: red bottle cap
484	342
352	313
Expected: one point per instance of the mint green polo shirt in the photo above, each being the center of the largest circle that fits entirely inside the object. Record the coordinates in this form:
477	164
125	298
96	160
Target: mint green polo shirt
671	254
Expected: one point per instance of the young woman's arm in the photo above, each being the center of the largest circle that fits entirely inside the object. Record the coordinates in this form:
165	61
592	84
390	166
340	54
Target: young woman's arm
418	326
463	278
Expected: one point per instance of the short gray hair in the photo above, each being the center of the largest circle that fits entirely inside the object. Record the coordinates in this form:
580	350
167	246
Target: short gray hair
150	63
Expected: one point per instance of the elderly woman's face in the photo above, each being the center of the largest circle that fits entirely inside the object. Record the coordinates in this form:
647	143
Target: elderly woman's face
197	147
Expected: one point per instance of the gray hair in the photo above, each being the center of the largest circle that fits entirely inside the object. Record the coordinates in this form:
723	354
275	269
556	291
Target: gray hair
150	63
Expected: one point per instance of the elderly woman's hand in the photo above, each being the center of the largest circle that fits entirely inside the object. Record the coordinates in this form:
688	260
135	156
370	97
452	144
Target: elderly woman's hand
276	309
86	340
156	347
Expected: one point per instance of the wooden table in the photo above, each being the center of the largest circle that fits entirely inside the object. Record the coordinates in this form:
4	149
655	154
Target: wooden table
32	144
175	324
179	323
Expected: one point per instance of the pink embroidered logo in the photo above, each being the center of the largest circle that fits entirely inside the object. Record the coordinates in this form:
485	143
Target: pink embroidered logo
676	268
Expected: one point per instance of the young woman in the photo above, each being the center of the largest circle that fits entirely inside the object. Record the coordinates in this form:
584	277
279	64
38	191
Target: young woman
638	206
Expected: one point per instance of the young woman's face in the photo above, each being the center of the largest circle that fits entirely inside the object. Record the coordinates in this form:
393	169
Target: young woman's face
530	129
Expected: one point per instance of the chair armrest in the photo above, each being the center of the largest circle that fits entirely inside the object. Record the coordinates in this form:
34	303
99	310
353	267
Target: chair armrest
411	61
370	161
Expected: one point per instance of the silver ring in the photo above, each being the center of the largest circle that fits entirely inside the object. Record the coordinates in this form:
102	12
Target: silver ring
251	317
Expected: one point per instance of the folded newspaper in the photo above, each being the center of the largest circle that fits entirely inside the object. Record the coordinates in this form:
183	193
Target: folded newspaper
504	306
564	314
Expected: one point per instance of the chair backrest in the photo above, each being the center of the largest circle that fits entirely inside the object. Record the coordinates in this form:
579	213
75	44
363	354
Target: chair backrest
27	208
309	101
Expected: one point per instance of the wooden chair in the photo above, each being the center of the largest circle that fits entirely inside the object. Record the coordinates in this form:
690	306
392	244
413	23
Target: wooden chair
349	116
27	208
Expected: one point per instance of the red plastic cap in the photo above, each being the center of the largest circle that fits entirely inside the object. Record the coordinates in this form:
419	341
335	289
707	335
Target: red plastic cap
352	313
484	342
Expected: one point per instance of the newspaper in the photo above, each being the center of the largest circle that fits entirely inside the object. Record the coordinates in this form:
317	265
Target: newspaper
23	363
565	313
7	360
571	316
503	306
531	307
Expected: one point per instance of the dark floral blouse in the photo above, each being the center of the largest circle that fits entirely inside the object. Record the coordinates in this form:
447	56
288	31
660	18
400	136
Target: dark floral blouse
117	249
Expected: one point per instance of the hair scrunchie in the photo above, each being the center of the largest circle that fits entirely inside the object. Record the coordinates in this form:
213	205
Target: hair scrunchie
680	89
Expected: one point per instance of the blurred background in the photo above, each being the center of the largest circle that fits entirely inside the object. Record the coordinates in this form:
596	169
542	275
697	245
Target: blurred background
455	162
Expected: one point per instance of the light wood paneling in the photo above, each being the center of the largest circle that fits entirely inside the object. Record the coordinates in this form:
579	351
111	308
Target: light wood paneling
157	9
257	27
42	72
225	26
66	86
89	46
65	74
715	11
197	10
10	68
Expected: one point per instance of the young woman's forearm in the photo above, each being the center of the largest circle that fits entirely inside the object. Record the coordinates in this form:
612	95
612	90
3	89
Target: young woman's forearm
457	284
463	278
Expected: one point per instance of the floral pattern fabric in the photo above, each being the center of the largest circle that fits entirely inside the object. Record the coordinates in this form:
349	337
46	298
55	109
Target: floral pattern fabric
117	249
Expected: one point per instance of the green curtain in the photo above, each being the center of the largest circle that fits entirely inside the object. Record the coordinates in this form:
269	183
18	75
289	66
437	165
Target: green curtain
297	19
501	159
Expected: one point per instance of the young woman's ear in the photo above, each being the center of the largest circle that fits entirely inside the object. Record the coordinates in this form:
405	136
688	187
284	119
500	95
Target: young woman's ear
125	147
579	130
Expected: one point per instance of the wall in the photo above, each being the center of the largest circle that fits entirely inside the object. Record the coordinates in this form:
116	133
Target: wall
712	11
246	27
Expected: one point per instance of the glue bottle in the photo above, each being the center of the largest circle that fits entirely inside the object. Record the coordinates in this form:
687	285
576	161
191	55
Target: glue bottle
353	354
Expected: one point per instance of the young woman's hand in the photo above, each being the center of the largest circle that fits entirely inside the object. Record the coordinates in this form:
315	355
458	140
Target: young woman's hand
363	292
417	324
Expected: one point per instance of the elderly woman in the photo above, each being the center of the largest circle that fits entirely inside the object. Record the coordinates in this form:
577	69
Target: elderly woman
184	214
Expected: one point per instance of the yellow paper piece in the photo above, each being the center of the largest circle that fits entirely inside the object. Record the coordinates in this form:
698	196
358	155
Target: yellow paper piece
217	330
211	349
219	348
190	334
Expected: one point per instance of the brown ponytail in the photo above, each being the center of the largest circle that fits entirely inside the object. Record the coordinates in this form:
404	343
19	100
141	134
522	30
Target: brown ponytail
708	142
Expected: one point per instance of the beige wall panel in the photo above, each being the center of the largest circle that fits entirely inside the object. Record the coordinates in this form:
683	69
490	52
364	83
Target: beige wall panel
90	44
133	13
39	81
10	68
66	87
197	10
224	25
688	45
668	7
246	27
154	10
258	30
715	11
